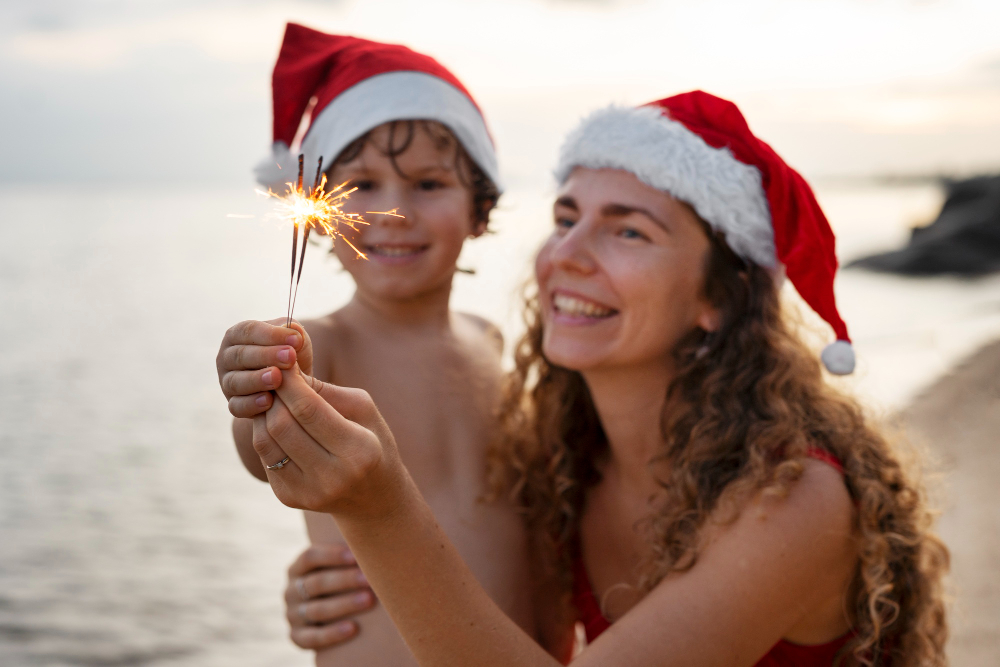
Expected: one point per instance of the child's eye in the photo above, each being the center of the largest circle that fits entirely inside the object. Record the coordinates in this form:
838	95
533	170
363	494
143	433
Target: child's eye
565	223
429	184
364	186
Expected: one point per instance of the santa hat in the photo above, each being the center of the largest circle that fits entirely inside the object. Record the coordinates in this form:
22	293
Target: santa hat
358	85
698	148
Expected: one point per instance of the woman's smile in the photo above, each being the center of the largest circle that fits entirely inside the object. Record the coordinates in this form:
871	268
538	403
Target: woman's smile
570	308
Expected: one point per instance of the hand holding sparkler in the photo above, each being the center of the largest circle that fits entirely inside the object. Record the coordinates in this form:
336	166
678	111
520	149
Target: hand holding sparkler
251	358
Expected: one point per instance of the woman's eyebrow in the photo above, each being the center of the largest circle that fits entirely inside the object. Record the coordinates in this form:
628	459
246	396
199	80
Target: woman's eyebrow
622	210
567	202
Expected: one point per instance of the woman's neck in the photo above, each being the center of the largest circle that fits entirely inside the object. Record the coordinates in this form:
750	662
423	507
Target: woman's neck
428	310
629	402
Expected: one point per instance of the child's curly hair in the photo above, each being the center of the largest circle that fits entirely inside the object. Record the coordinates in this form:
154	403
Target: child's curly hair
744	413
485	193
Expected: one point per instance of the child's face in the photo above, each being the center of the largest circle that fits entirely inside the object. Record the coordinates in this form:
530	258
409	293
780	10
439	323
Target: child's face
415	254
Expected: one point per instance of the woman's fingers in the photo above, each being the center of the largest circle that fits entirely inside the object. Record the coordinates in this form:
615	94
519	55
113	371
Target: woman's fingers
322	636
253	332
252	357
271	454
250	406
354	404
287	432
341	458
305	350
321	421
244	383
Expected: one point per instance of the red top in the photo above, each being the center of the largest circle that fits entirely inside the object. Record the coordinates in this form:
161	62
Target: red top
782	654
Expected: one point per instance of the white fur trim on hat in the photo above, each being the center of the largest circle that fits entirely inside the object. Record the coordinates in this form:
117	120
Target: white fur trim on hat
380	99
664	154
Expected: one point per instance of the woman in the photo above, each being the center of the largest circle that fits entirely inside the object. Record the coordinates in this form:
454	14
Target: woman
695	489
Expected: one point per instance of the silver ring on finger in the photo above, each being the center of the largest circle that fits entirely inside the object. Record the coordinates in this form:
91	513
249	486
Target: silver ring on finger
302	613
300	586
279	465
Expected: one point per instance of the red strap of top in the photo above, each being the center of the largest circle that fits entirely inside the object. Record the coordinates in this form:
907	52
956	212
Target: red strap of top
825	457
584	601
783	653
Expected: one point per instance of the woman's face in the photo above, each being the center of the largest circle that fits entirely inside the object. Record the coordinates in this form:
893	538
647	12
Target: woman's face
620	279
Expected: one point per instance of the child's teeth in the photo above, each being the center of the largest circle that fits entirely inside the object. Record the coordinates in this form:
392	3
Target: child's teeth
394	251
573	306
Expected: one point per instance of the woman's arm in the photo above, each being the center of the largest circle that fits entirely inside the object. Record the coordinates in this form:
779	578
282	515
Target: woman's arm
752	584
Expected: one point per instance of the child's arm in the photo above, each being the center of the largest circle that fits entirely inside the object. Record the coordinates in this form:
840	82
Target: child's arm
249	365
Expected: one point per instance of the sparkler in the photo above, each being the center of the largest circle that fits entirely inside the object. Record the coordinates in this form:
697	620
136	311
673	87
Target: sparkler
317	208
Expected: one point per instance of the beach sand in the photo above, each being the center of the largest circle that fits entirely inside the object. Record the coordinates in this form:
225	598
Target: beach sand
958	417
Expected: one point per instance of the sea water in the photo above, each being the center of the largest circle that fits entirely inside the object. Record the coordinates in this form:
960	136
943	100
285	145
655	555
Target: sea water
129	532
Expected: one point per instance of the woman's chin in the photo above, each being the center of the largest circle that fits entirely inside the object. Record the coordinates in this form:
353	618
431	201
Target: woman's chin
573	355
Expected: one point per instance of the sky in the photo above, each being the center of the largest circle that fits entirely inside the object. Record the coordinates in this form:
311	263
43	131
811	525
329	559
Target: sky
157	91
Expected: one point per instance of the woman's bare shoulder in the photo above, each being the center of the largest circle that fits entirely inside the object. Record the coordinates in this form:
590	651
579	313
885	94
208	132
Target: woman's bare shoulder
817	504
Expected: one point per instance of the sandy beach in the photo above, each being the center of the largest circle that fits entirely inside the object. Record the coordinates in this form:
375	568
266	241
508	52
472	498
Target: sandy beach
958	417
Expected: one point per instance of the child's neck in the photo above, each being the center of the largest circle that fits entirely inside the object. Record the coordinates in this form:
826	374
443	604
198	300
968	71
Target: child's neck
428	310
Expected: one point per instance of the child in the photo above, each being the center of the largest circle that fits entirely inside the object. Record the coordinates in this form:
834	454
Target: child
408	136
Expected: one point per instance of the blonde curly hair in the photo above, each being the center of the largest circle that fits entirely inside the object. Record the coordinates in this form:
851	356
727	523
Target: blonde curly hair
746	405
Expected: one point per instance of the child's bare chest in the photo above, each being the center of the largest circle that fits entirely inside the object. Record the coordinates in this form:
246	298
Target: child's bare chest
437	402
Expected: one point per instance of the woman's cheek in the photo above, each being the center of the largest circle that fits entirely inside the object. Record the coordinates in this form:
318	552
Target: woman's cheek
543	262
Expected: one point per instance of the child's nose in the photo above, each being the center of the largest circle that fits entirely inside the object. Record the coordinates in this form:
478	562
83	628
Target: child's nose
391	209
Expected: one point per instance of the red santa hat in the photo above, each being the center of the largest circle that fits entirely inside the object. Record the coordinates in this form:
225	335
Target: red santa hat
699	148
358	85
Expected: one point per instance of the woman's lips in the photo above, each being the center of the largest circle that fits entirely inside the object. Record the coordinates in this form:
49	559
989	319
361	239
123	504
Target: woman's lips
395	253
575	309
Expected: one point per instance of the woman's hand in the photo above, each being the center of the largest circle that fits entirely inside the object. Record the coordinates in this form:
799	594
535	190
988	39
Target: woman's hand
325	588
251	357
327	449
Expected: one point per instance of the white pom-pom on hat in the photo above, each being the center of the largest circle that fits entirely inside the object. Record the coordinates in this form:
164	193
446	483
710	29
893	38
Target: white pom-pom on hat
278	168
838	357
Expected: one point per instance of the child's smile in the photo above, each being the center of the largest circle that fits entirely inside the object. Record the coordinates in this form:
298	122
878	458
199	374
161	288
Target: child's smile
412	246
394	254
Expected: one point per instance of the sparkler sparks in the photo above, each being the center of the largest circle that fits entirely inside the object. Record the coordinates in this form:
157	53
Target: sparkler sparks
317	208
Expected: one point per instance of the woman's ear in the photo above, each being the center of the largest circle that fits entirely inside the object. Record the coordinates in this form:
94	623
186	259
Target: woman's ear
710	319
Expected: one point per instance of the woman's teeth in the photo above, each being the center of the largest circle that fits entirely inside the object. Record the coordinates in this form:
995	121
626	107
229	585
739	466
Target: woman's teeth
569	305
394	251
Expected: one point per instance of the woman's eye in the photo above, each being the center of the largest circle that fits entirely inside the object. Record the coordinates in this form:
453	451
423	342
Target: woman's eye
565	223
364	186
428	185
629	233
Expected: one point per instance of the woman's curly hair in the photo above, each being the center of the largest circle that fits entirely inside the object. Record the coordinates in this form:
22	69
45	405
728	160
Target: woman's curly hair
746	404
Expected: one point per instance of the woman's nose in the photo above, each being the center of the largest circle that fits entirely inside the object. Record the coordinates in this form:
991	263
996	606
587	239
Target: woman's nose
574	250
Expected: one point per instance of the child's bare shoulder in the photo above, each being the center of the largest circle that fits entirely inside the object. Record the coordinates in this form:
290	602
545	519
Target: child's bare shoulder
479	331
328	335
